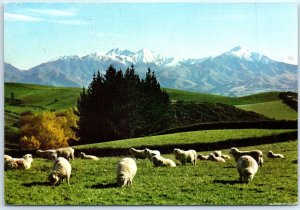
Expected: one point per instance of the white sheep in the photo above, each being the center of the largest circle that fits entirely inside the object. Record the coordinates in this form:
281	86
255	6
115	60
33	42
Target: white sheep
126	170
138	154
61	170
247	167
272	155
202	157
45	153
7	157
189	156
161	161
256	154
225	156
66	152
219	153
212	157
149	153
84	156
19	163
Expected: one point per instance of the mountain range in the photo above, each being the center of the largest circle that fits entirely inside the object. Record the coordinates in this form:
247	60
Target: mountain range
235	72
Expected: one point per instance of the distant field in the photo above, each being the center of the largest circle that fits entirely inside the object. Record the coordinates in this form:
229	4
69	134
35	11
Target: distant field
38	97
202	97
273	109
208	136
207	183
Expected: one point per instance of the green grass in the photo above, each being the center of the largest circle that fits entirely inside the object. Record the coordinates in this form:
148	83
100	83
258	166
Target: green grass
37	97
273	109
206	136
177	95
207	183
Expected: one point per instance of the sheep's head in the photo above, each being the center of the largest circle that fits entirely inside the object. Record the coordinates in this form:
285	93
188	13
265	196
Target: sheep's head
27	156
122	181
53	178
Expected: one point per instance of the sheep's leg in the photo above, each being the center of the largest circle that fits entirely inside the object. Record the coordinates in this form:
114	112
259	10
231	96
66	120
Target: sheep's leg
68	180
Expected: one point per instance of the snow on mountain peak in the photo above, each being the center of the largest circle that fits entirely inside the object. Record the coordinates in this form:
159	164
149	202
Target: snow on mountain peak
242	53
119	52
148	56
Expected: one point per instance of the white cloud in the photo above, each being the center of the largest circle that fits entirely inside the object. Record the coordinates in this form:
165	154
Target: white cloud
19	17
54	12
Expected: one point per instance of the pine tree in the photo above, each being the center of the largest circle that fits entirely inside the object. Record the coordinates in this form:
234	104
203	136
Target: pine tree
118	105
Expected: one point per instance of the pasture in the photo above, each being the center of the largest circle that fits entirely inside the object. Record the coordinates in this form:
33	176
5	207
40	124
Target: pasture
272	109
207	183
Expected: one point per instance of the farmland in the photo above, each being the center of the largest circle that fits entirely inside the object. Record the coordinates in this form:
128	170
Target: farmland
207	183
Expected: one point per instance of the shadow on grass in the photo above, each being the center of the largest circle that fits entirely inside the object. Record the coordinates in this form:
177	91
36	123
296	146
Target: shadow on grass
231	182
105	185
36	184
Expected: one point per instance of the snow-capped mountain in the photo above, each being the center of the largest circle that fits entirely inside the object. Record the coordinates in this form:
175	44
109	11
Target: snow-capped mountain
235	72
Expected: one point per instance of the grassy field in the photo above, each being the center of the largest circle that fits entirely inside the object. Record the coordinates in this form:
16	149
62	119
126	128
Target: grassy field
207	183
272	109
206	136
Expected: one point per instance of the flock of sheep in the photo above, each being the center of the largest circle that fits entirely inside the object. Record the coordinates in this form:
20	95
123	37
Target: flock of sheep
248	162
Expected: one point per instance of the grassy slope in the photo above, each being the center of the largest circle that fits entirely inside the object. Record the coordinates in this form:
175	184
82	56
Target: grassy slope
207	183
273	109
207	136
35	96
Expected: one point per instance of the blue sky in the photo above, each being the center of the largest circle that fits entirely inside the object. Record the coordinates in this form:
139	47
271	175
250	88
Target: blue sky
38	32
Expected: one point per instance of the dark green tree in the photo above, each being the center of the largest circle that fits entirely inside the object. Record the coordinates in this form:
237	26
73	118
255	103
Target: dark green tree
118	105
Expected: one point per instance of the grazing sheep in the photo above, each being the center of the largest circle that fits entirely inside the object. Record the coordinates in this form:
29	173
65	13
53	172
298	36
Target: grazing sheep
7	157
19	163
45	153
149	153
126	170
138	154
61	170
189	156
217	153
272	155
161	161
66	152
91	157
256	154
203	157
225	156
247	167
212	157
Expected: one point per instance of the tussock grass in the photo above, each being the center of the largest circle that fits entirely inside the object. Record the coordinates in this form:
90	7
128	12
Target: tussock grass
207	183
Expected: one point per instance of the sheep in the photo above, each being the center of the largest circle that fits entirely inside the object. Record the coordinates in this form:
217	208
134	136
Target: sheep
45	153
138	154
161	161
91	157
225	156
189	156
247	167
212	157
61	170
218	153
66	152
19	163
126	170
272	155
202	157
149	153
256	154
7	157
